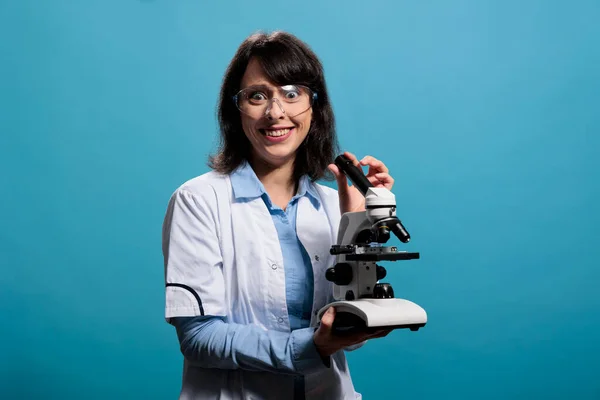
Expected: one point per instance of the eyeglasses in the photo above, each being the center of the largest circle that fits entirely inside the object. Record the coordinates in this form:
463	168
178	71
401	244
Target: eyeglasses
256	101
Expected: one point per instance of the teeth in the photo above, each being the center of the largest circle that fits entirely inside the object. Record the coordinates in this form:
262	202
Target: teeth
279	132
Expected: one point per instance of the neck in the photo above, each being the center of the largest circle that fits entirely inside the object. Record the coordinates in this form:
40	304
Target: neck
278	180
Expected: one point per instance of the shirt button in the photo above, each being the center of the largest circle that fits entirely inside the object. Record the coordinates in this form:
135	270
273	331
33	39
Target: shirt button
273	266
280	320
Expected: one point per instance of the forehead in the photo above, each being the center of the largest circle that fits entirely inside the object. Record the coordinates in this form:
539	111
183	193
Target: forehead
255	75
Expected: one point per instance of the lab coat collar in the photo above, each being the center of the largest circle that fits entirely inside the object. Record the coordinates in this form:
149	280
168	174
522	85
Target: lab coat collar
246	185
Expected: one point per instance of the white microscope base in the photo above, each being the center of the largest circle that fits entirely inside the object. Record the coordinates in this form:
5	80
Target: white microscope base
378	313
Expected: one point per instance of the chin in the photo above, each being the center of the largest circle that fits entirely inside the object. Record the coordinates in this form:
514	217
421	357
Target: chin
279	158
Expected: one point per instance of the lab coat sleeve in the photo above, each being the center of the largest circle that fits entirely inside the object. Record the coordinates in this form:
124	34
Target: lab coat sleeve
192	255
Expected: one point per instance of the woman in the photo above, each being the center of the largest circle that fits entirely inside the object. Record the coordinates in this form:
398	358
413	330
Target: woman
246	245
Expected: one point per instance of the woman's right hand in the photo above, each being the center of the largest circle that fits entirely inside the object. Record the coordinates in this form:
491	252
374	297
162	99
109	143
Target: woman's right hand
328	343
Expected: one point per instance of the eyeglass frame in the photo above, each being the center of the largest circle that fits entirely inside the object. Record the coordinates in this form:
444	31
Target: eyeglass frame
314	99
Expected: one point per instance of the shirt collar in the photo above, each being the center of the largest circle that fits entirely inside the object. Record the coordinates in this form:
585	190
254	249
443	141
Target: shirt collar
246	185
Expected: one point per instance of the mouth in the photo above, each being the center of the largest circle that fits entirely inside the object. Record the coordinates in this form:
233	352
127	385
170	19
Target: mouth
277	135
275	132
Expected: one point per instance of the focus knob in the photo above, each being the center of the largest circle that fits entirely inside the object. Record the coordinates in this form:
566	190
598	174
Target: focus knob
383	291
341	274
381	272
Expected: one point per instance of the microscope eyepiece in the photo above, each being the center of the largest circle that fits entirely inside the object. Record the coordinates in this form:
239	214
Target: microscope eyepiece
355	174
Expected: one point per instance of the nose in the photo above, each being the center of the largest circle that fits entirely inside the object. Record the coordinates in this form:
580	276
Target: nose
274	111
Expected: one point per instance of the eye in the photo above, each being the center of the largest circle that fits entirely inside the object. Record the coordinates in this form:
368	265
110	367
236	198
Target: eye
256	97
291	92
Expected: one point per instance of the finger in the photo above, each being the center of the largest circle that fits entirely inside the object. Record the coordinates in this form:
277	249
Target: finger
355	338
352	158
340	178
381	179
360	337
380	333
374	164
375	182
334	170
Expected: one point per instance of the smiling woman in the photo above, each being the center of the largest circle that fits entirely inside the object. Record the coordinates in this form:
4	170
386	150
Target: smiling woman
275	134
275	61
246	245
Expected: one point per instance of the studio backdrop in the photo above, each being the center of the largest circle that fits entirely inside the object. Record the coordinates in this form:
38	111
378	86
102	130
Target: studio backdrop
487	113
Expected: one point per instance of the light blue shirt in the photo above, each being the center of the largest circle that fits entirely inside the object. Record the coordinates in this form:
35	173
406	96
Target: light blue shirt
243	345
297	265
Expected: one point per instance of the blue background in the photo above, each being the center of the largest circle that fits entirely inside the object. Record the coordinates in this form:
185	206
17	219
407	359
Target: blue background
487	112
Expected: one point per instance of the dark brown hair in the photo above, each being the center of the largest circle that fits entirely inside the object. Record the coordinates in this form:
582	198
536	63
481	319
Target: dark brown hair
285	60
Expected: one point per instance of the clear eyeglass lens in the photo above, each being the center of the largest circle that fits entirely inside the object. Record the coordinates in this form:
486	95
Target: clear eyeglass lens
294	99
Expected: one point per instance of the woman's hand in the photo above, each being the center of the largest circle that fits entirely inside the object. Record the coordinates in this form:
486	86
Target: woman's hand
351	199
327	343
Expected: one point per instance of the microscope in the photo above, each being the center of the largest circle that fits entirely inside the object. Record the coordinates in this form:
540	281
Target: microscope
362	303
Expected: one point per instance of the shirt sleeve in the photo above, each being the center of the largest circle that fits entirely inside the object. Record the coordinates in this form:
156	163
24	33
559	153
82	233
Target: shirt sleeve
211	342
192	256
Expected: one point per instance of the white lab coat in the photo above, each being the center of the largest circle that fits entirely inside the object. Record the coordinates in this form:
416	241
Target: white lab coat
225	258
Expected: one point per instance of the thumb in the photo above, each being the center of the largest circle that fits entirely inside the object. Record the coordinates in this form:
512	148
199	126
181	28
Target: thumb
327	320
342	182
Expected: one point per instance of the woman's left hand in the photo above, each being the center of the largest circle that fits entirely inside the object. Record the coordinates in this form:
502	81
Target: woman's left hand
351	199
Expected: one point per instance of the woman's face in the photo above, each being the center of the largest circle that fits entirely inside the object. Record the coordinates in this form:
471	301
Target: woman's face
274	135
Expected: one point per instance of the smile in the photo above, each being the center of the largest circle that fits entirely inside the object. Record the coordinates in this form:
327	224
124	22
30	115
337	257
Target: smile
276	132
277	135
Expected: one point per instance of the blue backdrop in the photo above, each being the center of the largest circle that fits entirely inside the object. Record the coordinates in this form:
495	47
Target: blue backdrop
486	112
